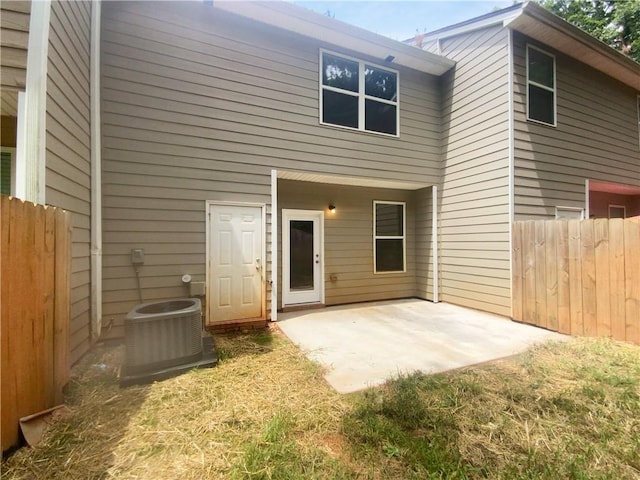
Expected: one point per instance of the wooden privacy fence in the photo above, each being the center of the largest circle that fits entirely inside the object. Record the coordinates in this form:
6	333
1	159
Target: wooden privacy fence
580	277
35	263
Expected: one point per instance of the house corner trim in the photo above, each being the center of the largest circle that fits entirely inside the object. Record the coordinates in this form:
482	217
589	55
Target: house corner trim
33	183
96	175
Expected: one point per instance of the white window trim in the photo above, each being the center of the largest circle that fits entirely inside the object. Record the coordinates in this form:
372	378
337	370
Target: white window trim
360	94
569	209
554	90
391	237
12	155
623	207
638	108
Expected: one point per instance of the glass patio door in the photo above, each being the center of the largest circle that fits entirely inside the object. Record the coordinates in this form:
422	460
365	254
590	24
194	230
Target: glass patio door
302	262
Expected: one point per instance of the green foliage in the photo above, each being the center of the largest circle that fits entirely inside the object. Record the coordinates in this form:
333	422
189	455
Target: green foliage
277	456
614	22
404	422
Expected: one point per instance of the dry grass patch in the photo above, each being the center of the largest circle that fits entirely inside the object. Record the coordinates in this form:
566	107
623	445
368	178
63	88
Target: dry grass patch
568	410
204	424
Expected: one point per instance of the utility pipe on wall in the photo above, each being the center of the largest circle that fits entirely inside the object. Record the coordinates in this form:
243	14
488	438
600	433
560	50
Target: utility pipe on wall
96	176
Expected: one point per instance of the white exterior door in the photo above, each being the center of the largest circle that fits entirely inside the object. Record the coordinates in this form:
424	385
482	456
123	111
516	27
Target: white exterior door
302	252
235	262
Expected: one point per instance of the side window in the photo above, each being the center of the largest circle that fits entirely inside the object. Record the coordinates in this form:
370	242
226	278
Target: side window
569	213
389	236
358	95
617	211
7	170
541	86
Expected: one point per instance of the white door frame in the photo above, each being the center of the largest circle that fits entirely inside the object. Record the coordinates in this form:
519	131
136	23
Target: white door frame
289	214
263	273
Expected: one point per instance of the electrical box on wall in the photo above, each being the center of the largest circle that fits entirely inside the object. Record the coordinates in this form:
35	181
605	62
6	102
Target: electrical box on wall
137	256
196	289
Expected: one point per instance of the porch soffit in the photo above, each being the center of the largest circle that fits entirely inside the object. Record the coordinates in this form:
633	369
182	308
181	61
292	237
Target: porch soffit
617	188
353	181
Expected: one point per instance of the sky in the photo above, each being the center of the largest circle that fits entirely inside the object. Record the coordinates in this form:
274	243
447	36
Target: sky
400	19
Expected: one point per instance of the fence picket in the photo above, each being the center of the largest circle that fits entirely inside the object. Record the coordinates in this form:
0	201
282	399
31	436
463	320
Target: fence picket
541	278
603	286
517	280
616	272
575	278
564	295
529	271
588	264
632	279
551	273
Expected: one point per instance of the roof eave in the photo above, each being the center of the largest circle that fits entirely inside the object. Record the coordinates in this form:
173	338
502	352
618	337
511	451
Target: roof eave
542	25
304	22
492	19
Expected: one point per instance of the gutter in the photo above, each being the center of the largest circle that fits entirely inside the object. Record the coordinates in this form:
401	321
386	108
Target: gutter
96	176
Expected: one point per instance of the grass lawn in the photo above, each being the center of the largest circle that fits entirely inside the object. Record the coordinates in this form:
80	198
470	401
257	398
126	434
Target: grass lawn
565	410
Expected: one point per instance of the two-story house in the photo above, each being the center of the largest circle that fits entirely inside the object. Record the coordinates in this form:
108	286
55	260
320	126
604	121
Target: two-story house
284	159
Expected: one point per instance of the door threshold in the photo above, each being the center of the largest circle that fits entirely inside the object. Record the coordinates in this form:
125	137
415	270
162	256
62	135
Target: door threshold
302	306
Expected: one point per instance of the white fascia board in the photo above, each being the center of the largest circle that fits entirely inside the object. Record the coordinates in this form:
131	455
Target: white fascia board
501	18
304	22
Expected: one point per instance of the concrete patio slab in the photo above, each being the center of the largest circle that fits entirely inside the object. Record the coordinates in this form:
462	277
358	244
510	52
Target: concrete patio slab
363	345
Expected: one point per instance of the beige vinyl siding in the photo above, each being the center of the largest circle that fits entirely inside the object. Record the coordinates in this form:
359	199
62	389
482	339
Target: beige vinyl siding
14	40
423	201
596	137
348	240
68	149
201	105
474	199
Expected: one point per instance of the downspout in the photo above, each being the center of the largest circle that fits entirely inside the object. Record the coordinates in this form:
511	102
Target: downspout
434	240
96	176
511	162
274	245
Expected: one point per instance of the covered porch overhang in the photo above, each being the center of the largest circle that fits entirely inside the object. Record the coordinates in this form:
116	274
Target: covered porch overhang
314	179
602	196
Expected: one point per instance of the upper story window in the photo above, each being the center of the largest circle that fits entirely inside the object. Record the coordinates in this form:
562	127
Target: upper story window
541	86
358	95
